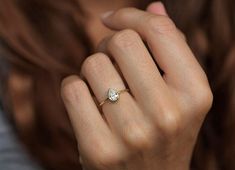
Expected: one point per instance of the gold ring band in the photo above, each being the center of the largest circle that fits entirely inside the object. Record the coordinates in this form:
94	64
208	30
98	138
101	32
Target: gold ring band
113	96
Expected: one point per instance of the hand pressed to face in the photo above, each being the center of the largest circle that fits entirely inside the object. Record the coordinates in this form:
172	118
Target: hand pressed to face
156	125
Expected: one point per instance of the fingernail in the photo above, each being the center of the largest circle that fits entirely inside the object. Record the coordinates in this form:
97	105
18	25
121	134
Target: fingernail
157	8
106	14
163	12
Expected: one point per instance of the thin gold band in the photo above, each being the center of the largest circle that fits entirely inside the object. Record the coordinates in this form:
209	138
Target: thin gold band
107	99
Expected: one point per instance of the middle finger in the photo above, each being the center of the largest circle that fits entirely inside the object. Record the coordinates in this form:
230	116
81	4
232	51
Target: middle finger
137	66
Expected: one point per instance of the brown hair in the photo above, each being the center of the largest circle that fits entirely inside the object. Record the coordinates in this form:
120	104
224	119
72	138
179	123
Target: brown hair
45	40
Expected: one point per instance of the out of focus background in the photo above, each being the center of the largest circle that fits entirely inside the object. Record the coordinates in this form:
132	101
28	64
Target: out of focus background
42	41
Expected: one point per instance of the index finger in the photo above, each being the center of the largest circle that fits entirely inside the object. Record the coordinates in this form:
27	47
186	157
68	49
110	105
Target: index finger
169	49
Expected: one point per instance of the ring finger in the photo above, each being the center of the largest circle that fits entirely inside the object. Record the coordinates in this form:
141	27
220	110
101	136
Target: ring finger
124	117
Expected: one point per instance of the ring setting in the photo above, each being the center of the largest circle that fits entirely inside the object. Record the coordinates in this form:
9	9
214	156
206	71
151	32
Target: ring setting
113	95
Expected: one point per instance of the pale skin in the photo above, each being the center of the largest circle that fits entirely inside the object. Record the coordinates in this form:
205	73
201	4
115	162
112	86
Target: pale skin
155	125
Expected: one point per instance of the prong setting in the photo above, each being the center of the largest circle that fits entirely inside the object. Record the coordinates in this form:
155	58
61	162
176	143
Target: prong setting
113	95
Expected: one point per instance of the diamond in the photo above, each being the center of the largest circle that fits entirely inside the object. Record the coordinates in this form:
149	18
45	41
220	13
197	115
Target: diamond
113	95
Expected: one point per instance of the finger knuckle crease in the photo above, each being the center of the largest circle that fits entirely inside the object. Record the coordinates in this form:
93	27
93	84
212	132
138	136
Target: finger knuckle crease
124	39
161	24
71	86
94	61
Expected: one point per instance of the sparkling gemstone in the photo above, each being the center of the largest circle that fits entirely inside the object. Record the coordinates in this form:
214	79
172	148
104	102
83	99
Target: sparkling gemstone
113	95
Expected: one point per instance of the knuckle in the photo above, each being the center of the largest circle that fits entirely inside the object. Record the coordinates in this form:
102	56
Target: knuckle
140	138
70	86
106	157
124	39
160	24
182	35
170	125
94	61
203	99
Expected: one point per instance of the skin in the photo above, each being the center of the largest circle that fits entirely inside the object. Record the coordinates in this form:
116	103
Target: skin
94	9
155	125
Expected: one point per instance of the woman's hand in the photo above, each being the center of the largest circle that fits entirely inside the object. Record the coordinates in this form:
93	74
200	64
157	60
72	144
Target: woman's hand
155	125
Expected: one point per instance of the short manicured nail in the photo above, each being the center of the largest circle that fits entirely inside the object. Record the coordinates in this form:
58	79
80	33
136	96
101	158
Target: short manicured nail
157	8
106	14
163	12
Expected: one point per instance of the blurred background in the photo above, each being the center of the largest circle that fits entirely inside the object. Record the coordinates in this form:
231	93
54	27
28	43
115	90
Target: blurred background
42	41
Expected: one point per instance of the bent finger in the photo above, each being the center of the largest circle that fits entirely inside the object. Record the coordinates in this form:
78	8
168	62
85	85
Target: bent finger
169	49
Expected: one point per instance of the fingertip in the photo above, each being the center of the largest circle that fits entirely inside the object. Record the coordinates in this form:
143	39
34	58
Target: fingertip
68	80
157	8
106	15
68	86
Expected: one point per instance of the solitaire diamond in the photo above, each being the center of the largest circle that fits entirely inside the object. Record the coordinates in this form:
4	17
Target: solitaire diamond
113	95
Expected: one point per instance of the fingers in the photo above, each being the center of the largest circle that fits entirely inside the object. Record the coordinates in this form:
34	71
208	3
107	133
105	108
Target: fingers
157	8
92	133
98	70
124	117
81	106
82	110
166	44
136	64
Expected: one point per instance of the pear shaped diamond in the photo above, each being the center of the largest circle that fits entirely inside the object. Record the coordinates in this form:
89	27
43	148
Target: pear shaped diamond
113	95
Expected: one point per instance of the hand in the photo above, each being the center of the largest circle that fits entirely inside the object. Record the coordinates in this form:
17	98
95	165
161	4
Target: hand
155	125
